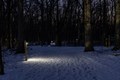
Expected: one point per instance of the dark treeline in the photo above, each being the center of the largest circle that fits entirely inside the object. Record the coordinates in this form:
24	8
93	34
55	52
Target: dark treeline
57	20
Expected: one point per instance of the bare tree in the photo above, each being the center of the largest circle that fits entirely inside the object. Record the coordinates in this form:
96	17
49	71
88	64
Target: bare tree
117	27
58	30
1	62
20	47
87	25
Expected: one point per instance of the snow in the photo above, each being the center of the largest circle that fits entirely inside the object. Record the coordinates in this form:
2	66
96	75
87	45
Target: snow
62	63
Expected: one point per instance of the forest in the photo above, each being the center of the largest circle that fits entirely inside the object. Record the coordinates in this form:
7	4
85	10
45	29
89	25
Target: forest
43	21
85	23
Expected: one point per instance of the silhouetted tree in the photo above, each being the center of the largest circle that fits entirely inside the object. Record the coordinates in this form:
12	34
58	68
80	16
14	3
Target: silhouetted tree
87	25
1	62
117	26
1	15
20	47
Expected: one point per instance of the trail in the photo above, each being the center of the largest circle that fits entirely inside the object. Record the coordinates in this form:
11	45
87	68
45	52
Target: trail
62	63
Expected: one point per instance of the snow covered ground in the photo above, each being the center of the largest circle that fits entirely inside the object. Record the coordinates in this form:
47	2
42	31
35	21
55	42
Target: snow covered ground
63	63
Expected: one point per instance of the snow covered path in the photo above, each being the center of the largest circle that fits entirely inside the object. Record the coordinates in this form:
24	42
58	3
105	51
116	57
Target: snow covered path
63	63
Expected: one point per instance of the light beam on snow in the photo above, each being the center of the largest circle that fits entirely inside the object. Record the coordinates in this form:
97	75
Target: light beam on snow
43	60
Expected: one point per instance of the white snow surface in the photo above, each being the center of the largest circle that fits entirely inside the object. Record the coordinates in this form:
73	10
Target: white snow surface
62	63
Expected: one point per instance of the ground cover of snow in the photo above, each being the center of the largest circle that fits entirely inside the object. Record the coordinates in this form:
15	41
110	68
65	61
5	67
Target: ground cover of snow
62	63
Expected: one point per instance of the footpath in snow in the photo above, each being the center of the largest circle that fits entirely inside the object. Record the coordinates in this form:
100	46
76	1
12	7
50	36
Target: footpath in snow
63	63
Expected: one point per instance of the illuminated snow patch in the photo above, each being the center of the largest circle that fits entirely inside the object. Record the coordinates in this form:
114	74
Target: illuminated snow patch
43	60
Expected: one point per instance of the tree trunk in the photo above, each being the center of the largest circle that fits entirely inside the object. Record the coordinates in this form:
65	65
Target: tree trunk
20	46
9	3
87	25
58	30
117	27
104	24
1	62
1	25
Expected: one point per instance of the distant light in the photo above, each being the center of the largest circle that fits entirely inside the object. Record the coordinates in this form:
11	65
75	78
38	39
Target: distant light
27	43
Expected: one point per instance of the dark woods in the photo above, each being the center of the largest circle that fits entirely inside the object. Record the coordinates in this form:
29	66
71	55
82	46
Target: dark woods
65	22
